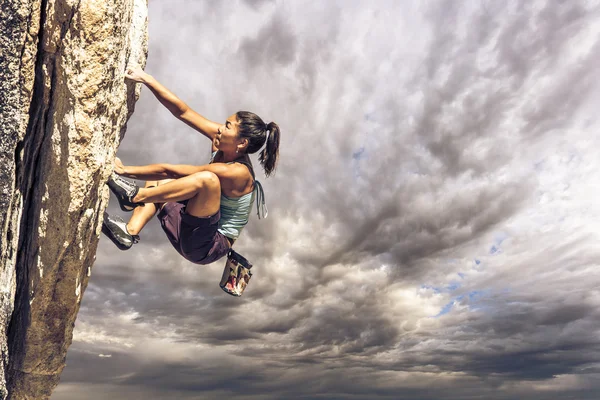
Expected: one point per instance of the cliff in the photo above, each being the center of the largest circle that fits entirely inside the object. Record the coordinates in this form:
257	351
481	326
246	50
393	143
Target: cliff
64	105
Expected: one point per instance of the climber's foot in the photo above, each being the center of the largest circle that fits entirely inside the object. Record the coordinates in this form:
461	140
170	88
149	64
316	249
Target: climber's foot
125	191
116	230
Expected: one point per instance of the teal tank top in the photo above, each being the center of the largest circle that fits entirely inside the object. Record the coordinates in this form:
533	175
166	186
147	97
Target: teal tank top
235	211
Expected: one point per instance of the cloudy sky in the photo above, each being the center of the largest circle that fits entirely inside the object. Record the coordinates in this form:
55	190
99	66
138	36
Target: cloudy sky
433	222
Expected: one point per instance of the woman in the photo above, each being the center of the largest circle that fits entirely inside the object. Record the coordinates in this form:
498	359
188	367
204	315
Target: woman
202	209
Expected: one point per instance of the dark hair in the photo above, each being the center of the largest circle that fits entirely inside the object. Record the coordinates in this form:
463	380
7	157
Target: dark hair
252	127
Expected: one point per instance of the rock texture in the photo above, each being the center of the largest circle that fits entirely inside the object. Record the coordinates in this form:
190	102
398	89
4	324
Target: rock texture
63	106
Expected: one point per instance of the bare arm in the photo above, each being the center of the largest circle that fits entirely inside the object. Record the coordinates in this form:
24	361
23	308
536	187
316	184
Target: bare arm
154	172
174	171
173	103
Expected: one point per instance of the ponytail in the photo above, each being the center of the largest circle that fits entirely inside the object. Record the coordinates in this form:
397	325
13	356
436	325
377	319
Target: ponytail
252	127
268	157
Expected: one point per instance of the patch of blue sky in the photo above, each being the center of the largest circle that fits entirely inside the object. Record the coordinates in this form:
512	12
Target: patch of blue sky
474	297
476	294
445	310
356	157
496	248
435	289
358	154
499	239
361	153
447	289
477	300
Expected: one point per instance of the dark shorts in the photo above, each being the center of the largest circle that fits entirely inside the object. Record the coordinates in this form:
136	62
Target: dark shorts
195	238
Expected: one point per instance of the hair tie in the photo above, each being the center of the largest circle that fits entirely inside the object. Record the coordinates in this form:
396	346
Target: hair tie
267	138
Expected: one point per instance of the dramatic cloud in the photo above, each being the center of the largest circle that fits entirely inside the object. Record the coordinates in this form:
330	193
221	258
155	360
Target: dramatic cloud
432	228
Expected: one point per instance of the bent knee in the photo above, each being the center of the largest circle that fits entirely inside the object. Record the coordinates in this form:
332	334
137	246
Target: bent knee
207	180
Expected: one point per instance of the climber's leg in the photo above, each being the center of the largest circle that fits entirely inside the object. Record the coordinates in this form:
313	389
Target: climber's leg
123	234
116	230
192	225
202	190
142	215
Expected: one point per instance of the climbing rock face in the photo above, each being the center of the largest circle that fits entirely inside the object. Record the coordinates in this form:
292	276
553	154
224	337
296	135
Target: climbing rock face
63	104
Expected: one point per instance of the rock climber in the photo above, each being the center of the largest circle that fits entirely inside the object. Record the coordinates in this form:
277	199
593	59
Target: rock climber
201	208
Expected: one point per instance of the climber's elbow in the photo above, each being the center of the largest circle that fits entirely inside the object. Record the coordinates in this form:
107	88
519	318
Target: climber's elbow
179	108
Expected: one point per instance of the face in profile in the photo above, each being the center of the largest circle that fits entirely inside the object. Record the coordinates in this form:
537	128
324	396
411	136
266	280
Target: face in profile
227	139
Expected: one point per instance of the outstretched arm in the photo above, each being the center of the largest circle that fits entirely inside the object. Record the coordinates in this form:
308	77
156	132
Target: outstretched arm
173	171
173	103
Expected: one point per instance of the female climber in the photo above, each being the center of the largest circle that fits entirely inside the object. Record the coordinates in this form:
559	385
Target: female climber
203	208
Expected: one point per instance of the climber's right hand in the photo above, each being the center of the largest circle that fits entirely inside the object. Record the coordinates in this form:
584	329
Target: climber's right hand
119	167
135	73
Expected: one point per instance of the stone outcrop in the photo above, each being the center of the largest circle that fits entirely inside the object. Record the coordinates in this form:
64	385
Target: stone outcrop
64	105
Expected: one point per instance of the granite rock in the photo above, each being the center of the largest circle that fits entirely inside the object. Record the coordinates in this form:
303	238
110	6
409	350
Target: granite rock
64	105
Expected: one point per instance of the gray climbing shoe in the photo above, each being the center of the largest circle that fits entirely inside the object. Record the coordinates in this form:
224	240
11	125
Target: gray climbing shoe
125	191
116	230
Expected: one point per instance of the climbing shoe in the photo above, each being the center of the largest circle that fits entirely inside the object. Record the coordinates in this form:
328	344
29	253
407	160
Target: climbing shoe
125	191
116	230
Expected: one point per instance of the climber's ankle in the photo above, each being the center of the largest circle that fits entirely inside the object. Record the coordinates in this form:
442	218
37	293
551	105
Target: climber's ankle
131	230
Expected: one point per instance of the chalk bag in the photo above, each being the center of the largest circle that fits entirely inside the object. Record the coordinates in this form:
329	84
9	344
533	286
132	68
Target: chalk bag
236	274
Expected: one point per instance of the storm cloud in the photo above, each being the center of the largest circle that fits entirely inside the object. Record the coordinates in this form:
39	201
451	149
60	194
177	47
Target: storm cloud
432	229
